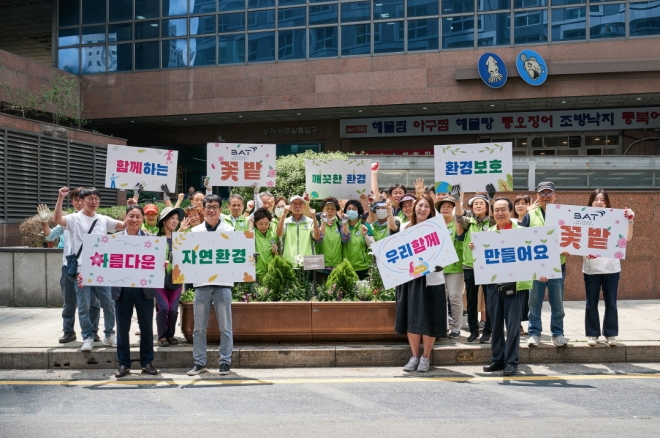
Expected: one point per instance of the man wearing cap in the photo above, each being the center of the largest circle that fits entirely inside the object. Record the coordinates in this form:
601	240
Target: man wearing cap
150	219
536	218
235	219
298	229
382	220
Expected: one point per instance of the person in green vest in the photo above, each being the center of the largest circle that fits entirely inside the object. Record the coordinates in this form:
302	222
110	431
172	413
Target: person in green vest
396	192
454	272
265	239
536	218
406	203
150	224
329	243
382	220
356	239
235	218
298	230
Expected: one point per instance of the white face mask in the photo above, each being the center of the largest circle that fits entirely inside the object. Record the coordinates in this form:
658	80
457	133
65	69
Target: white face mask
381	213
279	211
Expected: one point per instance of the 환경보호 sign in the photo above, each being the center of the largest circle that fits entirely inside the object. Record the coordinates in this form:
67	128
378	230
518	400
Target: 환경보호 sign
518	254
414	252
586	231
213	257
343	179
475	165
120	260
241	164
128	166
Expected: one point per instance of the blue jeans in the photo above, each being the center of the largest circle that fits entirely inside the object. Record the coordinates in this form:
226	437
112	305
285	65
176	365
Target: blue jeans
610	285
220	297
555	297
85	295
70	304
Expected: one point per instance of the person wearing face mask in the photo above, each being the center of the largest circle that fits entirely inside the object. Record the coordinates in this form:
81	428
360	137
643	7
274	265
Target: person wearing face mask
265	240
382	220
331	236
406	204
356	239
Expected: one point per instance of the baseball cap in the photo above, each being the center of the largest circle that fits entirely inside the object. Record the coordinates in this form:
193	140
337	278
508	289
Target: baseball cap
377	205
472	199
295	198
546	185
150	208
406	198
441	201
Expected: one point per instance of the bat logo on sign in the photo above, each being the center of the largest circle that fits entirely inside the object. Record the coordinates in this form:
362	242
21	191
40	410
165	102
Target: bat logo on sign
592	216
246	151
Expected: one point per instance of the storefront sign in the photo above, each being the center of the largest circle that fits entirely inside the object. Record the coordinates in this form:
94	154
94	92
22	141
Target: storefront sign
350	179
241	164
475	165
293	131
531	67
589	230
503	123
127	166
519	254
492	70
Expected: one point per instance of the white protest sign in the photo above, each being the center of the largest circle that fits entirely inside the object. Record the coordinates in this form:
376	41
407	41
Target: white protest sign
590	230
241	164
128	166
414	252
123	261
343	179
518	254
205	257
474	165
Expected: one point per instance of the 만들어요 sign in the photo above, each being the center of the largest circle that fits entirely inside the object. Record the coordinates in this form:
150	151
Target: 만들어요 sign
120	260
241	164
414	252
127	166
587	231
473	166
343	179
518	254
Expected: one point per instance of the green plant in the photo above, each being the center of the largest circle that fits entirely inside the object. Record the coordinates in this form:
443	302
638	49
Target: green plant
280	283
32	234
242	292
377	286
343	277
22	99
62	98
188	296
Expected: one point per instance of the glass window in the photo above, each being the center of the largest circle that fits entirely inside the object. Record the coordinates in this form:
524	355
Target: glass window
323	42
493	30
423	34
69	13
530	27
231	5
93	59
457	7
202	7
232	49
569	24
607	21
356	39
202	51
493	5
644	18
261	19
419	8
529	3
120	10
290	2
93	34
147	9
231	22
261	47
175	53
388	37
174	27
323	14
290	17
146	29
202	25
93	11
458	32
388	9
566	2
146	55
359	11
67	60
256	4
172	8
68	37
292	44
120	57
120	32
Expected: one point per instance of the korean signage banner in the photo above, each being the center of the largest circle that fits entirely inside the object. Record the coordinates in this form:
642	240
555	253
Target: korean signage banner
502	123
414	252
240	164
213	257
128	166
589	230
475	165
350	179
519	254
123	261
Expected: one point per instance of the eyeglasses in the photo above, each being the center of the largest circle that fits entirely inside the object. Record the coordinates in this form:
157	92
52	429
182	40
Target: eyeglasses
212	207
546	194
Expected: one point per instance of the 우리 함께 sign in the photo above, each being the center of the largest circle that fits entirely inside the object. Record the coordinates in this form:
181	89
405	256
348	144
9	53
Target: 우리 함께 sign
128	166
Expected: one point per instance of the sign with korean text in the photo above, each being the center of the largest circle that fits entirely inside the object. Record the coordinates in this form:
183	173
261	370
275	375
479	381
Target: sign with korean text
128	166
414	252
123	261
240	164
213	257
519	254
475	165
502	123
343	179
590	230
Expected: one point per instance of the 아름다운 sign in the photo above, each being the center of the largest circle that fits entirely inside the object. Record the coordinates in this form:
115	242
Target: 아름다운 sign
473	166
241	164
128	166
343	179
590	230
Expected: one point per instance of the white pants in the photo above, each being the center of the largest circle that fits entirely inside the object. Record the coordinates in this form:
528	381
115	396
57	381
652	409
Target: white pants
454	285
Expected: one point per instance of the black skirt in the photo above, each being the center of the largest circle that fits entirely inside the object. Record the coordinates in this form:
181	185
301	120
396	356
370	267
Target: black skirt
421	309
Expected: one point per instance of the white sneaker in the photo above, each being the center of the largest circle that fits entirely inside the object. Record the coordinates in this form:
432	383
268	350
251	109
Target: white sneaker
534	341
592	340
611	341
412	364
88	344
111	340
424	364
559	341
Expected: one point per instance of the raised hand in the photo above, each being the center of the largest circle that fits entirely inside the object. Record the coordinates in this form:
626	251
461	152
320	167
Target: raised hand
490	189
166	192
375	166
419	187
43	212
63	192
456	192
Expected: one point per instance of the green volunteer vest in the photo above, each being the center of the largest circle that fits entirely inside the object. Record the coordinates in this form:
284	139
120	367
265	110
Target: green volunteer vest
380	231
153	230
402	217
520	285
262	245
297	239
355	250
330	246
536	219
457	267
467	252
241	222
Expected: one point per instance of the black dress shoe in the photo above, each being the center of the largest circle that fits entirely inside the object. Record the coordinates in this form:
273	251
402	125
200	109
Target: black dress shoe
495	366
473	336
68	337
122	371
485	338
510	370
149	369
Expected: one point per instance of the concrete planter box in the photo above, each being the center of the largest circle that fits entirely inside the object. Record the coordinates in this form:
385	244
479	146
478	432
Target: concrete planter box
30	277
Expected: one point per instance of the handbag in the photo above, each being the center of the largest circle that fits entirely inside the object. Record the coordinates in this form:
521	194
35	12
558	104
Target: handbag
506	289
72	260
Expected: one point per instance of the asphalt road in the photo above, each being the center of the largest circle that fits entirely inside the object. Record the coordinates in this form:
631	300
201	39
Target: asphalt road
551	400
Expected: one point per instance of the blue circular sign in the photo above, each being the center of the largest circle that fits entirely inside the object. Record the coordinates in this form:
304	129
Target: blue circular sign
492	70
531	67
